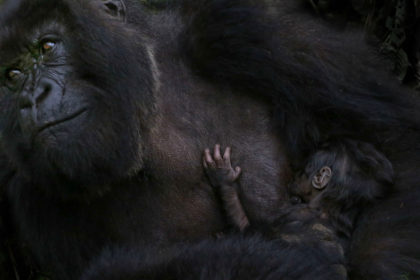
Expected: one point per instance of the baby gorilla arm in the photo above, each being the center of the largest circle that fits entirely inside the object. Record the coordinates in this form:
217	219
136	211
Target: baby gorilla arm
225	179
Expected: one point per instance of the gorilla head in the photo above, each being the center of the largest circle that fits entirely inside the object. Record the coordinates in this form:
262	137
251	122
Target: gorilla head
70	90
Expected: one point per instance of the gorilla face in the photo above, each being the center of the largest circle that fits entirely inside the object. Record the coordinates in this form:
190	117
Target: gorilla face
47	103
64	109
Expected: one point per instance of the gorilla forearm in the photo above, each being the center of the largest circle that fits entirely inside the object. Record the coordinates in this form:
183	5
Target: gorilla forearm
309	97
231	257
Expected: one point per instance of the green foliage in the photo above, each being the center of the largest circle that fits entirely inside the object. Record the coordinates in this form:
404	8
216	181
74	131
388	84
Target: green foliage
396	37
393	22
405	276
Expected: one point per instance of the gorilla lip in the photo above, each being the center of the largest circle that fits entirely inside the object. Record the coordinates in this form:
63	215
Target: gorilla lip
59	121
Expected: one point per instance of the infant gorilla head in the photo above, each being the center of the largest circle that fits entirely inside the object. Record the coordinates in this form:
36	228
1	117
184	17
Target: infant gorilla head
339	179
346	172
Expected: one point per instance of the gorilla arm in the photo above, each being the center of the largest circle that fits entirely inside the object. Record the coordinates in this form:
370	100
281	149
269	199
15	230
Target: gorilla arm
225	181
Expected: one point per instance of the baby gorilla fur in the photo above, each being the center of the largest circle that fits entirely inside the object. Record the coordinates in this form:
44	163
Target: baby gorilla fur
339	180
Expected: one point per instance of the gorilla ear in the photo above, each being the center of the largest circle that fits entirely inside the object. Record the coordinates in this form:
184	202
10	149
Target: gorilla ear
321	178
115	8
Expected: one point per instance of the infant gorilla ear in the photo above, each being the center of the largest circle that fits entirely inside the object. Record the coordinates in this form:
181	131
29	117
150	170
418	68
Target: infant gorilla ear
355	172
322	178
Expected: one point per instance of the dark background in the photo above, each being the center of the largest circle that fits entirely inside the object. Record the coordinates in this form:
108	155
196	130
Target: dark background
392	26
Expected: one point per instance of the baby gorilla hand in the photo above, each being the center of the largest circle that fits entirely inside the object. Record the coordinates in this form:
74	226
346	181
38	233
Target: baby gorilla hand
218	169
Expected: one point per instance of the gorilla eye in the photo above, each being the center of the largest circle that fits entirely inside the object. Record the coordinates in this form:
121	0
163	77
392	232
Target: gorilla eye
48	46
13	74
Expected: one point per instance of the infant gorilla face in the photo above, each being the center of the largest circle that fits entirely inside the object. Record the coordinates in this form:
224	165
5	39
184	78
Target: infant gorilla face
308	185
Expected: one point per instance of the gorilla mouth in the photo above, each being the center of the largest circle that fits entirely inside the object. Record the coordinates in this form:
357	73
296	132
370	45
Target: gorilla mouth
60	121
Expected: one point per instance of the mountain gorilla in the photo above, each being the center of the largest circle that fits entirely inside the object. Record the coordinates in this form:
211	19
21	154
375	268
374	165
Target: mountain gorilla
107	107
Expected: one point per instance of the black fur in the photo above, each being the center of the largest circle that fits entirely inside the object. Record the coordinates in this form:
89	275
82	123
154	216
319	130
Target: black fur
385	244
320	87
361	176
218	259
360	173
159	86
339	182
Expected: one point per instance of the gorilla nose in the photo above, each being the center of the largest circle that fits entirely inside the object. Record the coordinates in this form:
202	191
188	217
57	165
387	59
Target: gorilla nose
32	97
33	103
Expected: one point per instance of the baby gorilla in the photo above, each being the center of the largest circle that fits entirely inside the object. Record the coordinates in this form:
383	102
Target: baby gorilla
339	180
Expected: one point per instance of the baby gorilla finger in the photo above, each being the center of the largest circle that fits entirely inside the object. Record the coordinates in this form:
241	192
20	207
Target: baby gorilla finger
208	159
226	156
237	172
217	156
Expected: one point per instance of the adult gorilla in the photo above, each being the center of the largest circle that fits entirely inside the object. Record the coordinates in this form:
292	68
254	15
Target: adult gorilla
106	109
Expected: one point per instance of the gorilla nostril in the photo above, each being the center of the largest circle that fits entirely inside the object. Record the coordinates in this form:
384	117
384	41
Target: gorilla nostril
39	98
112	9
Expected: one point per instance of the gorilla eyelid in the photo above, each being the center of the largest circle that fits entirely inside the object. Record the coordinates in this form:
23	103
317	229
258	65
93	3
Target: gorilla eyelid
12	74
